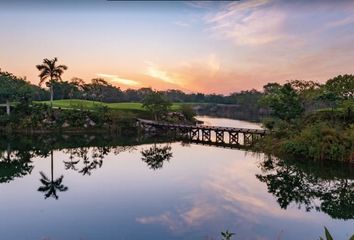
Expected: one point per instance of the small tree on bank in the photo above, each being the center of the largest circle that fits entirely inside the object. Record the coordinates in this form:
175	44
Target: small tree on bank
284	102
13	88
49	70
157	104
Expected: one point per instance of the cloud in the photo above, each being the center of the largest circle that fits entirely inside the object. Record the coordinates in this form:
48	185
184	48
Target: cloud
230	192
157	72
203	74
199	4
182	23
247	23
343	21
179	221
166	219
117	79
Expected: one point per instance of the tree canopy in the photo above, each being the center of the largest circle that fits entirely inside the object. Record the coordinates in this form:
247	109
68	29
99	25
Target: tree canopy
156	103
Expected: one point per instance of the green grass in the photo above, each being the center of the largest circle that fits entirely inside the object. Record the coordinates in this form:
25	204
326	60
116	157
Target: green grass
90	105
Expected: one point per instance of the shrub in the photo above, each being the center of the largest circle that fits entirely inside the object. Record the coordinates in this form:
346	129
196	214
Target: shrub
188	112
321	142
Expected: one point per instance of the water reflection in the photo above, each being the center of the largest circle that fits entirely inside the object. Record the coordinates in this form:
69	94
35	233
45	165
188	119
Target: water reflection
14	164
50	187
314	186
78	155
155	156
164	190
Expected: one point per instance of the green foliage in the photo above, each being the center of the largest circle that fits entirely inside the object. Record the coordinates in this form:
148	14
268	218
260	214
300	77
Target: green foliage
320	142
13	88
328	97
317	119
91	105
227	235
157	104
188	112
50	70
284	102
342	86
269	123
328	235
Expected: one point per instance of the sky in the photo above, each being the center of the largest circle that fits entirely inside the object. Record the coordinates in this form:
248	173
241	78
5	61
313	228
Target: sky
210	47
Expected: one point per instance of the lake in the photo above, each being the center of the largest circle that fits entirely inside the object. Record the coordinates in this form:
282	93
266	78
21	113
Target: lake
98	187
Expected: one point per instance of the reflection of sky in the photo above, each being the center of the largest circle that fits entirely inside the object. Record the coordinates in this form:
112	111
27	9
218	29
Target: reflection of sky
225	122
199	192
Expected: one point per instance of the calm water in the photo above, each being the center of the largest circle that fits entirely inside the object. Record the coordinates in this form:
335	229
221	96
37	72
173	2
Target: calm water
165	191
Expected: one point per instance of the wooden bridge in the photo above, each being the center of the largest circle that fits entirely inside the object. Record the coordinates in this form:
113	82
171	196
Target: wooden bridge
207	134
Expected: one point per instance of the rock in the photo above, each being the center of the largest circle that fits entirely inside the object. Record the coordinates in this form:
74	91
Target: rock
46	121
65	124
92	123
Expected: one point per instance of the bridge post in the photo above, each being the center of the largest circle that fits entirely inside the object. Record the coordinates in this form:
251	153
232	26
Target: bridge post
194	134
206	135
219	136
247	139
233	137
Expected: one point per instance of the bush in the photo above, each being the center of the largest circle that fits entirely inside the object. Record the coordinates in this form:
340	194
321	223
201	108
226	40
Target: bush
188	112
321	141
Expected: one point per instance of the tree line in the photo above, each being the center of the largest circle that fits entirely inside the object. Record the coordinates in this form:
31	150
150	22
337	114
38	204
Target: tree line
285	100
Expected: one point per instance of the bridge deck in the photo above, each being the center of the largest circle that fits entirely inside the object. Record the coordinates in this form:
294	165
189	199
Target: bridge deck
203	127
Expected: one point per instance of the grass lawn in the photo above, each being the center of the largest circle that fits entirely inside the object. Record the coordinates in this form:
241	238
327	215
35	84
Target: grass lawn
86	104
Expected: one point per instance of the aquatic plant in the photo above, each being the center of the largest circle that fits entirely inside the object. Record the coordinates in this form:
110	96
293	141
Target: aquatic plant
227	235
328	236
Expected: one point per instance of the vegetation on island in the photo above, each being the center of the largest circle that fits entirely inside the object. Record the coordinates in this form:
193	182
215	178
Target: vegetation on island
310	120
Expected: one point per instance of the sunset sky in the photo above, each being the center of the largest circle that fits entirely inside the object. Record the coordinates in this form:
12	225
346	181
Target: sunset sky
199	46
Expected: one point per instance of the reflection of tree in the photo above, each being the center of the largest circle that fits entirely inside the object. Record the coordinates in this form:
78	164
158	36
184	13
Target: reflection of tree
155	156
89	164
82	155
71	164
51	186
14	164
81	161
339	201
310	185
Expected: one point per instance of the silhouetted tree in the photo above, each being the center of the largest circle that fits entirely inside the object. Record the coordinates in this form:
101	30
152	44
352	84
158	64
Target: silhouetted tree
50	70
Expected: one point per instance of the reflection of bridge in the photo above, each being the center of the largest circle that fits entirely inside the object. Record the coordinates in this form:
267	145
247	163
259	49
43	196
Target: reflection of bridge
207	134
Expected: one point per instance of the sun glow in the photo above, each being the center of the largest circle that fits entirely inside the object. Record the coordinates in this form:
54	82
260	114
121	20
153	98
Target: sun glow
154	71
117	79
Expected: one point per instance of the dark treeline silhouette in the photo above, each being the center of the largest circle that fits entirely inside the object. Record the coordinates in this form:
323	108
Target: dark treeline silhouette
13	88
99	89
285	101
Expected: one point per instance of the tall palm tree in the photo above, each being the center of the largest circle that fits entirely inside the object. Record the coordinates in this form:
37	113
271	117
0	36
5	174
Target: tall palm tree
51	186
49	70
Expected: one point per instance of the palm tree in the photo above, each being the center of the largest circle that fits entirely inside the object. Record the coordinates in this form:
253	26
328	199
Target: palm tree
50	70
51	186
